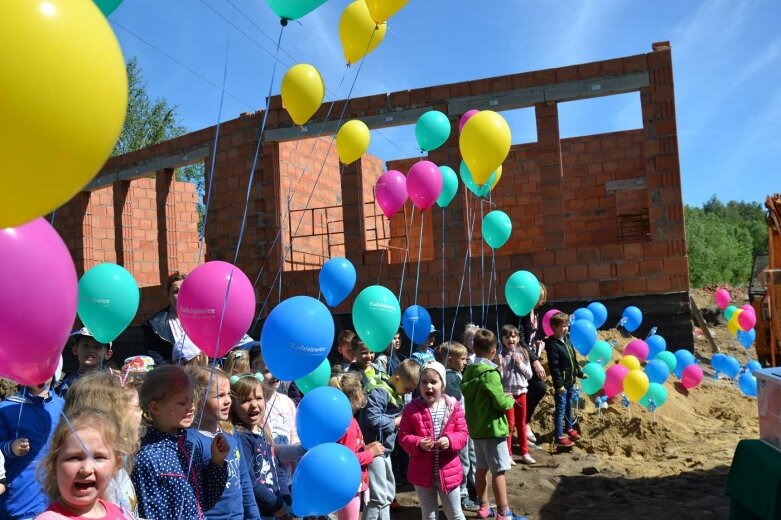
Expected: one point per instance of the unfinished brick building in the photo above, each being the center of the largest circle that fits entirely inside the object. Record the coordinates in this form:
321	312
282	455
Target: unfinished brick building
598	217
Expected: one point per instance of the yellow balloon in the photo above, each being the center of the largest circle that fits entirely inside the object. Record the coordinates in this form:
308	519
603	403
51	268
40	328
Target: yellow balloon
732	324
484	142
359	33
635	385
630	362
63	99
498	176
302	92
381	10
352	140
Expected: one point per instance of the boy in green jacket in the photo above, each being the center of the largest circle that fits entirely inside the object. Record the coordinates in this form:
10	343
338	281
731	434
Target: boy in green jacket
486	417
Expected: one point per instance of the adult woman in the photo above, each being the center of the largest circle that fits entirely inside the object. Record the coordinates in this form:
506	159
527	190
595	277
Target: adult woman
533	336
163	330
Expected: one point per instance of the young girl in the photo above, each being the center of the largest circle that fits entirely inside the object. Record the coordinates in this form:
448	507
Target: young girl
84	457
247	409
171	476
351	386
213	409
237	362
433	431
516	372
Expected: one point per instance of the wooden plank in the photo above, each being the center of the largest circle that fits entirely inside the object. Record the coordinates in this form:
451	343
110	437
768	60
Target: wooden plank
703	325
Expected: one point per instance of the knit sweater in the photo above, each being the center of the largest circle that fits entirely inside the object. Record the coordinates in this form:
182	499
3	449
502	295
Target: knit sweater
516	372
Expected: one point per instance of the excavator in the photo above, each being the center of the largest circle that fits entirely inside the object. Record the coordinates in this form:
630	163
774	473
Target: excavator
765	289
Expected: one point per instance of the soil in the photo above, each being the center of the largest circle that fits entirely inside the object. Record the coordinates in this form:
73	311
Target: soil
633	463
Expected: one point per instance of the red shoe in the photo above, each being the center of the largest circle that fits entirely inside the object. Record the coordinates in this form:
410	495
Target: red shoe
394	506
573	434
564	441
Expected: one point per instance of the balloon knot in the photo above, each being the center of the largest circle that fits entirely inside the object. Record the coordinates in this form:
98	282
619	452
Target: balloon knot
283	22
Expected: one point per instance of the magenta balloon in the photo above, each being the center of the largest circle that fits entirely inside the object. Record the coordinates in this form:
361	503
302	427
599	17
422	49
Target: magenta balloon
637	348
391	192
614	380
747	320
748	308
691	376
214	322
722	298
37	303
546	328
465	118
424	184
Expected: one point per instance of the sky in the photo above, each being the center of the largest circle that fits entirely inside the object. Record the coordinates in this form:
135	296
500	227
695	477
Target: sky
726	66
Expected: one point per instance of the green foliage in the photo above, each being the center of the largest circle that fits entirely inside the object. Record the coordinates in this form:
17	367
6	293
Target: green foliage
723	239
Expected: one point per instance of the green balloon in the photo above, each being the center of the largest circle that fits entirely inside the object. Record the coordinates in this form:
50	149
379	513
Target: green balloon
668	358
497	228
107	6
595	380
108	301
656	392
317	378
449	186
522	291
601	353
294	9
376	317
729	311
432	130
469	182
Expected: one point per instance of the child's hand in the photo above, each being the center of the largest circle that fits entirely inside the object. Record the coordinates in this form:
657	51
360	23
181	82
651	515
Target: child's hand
562	390
375	448
443	443
426	444
20	447
220	448
397	421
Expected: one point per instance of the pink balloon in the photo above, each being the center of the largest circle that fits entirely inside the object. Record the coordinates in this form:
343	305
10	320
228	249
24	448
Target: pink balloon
748	308
722	298
637	348
546	328
747	320
691	376
465	118
614	380
424	184
214	322
391	192
37	302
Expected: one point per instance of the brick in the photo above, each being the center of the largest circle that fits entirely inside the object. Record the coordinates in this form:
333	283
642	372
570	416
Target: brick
633	286
627	269
576	273
600	271
659	284
652	266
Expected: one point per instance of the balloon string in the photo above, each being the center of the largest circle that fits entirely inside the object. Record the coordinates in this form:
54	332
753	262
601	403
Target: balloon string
417	277
463	274
443	275
77	436
406	252
483	316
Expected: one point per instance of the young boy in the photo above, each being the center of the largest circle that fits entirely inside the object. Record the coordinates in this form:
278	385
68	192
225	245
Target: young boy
379	421
563	365
91	355
390	358
343	342
362	360
486	417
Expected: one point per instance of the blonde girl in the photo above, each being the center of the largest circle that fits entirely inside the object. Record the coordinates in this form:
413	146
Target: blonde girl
172	476
516	373
85	454
237	362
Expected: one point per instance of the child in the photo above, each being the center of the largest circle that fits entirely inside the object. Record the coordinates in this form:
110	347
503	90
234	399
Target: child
468	338
213	409
563	364
2	473
343	342
362	360
85	455
247	409
379	421
517	371
351	386
171	477
433	432
27	420
91	355
236	363
486	417
390	358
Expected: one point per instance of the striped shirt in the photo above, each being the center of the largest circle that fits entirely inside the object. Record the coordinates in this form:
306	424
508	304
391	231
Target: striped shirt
437	417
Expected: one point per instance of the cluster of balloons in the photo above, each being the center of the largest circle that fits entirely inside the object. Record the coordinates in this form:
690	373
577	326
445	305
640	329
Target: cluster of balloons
740	321
730	367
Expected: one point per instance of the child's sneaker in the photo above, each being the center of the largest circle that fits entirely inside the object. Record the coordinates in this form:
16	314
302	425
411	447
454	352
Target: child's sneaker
573	434
564	441
467	504
509	515
527	459
485	511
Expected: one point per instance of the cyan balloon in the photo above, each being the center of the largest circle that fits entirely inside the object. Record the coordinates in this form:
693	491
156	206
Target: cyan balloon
315	379
315	489
432	130
449	186
469	182
748	384
376	317
683	358
583	335
655	344
296	337
599	312
416	323
337	280
107	6
747	338
497	228
657	371
669	359
595	380
108	301
583	313
323	415
294	9
601	353
729	311
633	316
657	393
731	367
753	365
522	291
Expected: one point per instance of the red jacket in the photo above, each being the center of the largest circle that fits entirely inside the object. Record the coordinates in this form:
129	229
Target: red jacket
416	423
353	439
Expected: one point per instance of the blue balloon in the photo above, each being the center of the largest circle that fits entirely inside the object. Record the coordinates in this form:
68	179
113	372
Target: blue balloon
296	337
747	338
416	323
323	415
731	367
326	479
337	280
599	312
657	371
655	344
683	358
584	314
717	361
753	365
583	335
748	384
633	317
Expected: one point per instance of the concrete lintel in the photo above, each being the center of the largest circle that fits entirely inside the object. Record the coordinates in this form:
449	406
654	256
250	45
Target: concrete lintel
636	183
149	166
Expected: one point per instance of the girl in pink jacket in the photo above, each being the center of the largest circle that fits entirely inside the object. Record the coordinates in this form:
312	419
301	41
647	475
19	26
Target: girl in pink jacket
433	431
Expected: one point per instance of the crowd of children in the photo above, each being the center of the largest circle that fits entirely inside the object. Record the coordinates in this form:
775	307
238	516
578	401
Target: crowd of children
197	442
